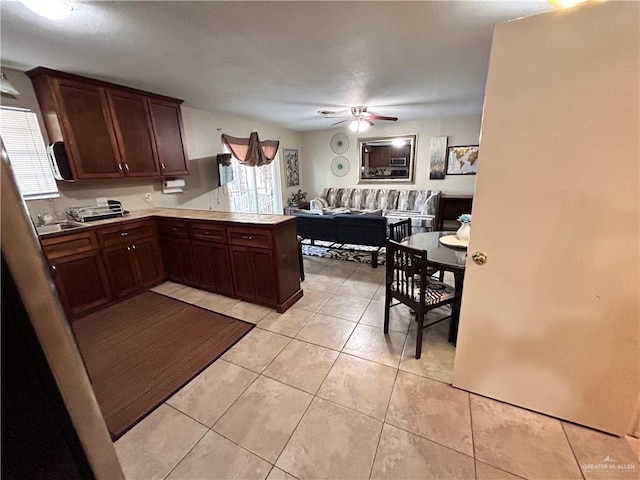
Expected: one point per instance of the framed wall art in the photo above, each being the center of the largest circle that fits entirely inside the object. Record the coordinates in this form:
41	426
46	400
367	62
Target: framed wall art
438	158
293	167
462	160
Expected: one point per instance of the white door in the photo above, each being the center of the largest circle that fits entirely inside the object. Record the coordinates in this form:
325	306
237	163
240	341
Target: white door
550	322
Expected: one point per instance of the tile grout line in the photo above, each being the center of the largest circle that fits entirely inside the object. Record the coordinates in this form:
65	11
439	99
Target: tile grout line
571	447
384	422
186	454
292	432
473	443
314	396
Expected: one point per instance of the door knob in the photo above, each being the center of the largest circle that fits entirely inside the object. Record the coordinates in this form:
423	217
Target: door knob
480	258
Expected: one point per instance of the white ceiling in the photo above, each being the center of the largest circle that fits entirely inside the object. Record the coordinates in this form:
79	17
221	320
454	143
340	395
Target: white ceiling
276	61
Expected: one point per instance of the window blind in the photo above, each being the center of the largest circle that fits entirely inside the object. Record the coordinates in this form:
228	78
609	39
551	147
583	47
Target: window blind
24	144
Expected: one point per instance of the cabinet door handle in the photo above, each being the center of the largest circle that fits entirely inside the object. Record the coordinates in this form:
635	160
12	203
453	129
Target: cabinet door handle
128	248
53	267
133	246
162	166
126	166
247	237
120	167
124	234
174	229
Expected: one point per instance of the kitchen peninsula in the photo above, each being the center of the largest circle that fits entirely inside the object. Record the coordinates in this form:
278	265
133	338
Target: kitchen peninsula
248	256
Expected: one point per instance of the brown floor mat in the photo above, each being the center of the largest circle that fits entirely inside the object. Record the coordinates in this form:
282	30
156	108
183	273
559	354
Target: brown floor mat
140	351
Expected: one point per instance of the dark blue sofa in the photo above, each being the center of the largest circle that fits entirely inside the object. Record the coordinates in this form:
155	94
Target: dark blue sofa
345	228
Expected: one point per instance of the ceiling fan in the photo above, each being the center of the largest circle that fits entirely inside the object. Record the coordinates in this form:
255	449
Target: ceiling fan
360	120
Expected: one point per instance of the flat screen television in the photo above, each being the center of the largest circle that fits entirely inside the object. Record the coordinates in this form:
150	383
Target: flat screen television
225	171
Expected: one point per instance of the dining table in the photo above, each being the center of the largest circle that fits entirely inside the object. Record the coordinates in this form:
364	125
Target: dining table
447	258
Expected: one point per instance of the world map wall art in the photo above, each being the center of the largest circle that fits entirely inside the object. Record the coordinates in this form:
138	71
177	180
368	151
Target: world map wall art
462	160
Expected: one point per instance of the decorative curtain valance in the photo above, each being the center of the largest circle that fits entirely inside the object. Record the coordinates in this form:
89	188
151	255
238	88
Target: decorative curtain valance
251	151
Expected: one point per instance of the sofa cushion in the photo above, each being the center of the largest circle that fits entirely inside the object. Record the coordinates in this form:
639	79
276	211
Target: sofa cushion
407	199
357	199
333	196
420	205
430	206
345	198
370	198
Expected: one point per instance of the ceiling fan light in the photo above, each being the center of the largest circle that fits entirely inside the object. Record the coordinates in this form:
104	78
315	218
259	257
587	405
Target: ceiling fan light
54	9
566	3
359	125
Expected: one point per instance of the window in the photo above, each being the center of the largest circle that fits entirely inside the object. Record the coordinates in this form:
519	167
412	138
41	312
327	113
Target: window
22	139
255	189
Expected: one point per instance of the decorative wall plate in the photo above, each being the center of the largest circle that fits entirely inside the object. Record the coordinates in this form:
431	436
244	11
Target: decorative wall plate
339	143
340	166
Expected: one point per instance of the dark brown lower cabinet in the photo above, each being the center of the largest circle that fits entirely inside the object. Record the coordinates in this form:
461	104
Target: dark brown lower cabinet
82	282
213	266
178	260
132	267
254	278
257	263
78	271
148	262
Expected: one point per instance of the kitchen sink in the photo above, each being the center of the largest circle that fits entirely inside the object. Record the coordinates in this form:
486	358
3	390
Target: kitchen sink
57	227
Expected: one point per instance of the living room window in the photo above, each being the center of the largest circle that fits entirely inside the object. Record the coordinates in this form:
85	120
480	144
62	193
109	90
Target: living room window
256	189
23	142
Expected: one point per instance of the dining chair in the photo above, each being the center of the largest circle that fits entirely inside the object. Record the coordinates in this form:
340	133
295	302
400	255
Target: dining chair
408	281
400	230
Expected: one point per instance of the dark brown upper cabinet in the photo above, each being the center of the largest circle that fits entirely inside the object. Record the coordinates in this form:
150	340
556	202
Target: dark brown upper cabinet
134	133
111	131
169	135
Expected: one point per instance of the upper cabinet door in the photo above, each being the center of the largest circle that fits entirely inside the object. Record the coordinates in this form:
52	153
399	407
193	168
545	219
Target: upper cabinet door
109	130
169	135
132	125
88	129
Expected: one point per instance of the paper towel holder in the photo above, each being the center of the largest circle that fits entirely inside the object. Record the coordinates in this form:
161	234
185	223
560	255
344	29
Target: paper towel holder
173	186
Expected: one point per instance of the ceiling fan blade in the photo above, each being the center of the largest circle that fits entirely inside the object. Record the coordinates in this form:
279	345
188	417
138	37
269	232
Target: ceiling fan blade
379	117
341	121
331	113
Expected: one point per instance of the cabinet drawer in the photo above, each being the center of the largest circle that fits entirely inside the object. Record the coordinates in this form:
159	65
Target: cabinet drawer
208	232
69	244
173	229
250	237
126	233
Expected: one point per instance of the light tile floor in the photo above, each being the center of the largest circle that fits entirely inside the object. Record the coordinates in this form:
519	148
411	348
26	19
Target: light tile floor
320	392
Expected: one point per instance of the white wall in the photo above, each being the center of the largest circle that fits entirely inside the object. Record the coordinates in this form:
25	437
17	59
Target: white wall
202	143
317	154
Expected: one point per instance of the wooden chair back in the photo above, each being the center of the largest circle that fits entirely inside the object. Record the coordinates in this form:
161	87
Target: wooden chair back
400	230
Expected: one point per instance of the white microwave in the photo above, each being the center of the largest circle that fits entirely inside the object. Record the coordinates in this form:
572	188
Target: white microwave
398	162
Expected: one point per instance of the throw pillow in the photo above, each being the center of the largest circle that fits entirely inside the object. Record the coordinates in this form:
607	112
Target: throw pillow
429	207
318	203
421	199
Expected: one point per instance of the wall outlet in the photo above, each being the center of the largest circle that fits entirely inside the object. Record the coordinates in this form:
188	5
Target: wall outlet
147	196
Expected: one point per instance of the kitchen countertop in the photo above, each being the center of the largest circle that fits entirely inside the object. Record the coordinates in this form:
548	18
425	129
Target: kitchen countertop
244	218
